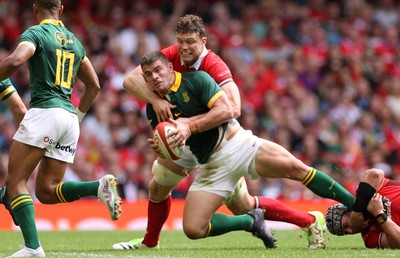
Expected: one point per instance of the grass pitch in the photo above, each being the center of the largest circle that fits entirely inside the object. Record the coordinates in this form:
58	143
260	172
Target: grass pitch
176	244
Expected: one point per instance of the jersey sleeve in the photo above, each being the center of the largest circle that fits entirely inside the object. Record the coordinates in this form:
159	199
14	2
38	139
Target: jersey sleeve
29	36
216	68
6	89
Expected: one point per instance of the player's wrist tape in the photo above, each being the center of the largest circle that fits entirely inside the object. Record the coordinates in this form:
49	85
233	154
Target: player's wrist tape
80	114
194	127
381	218
364	194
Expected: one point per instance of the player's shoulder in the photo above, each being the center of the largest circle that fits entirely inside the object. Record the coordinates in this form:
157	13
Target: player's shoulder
171	52
213	58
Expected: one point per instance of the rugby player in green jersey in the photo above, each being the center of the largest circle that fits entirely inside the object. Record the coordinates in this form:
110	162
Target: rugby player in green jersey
49	131
225	151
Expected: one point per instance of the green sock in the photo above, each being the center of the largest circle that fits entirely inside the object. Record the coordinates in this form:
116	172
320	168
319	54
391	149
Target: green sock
72	191
324	186
221	223
24	212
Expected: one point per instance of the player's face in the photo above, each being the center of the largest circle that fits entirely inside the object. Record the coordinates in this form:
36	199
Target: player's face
159	76
190	47
346	225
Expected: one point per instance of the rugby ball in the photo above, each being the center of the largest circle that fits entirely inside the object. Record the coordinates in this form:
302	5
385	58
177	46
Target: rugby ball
162	138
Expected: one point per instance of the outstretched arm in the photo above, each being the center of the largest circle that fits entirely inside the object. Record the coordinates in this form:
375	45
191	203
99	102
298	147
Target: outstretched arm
136	85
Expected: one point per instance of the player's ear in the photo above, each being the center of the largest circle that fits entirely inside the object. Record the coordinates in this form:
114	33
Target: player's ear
60	10
170	66
204	40
35	9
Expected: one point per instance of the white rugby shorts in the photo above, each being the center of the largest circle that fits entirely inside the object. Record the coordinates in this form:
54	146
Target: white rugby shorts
53	129
234	159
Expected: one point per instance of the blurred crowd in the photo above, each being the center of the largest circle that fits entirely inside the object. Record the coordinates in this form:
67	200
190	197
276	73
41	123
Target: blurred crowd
319	77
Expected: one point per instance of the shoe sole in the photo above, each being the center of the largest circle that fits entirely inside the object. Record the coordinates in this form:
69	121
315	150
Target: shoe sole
116	211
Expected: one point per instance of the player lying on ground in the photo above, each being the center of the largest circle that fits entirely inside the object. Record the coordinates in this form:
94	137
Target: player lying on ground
375	213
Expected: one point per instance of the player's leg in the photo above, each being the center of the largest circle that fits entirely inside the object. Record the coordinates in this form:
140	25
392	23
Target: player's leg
22	161
312	222
166	175
242	202
274	161
200	219
50	189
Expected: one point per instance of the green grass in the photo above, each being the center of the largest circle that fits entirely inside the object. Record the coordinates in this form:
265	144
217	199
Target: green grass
175	244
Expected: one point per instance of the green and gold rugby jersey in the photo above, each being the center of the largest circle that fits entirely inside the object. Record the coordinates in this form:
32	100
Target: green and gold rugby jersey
54	65
6	89
194	93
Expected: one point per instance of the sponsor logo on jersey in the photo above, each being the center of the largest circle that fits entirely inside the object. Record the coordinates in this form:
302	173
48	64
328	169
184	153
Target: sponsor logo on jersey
61	39
57	145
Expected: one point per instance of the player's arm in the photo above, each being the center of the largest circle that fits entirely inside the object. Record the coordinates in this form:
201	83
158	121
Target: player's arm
221	112
136	85
17	106
371	180
391	231
232	91
88	76
20	56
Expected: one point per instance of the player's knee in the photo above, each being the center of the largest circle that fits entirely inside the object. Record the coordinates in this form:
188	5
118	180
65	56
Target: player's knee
45	195
159	192
193	232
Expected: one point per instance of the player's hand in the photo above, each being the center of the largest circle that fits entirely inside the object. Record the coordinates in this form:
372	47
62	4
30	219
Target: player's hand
375	205
163	109
154	146
181	134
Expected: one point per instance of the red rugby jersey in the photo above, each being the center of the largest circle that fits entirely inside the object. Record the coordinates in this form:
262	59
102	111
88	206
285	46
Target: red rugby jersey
391	190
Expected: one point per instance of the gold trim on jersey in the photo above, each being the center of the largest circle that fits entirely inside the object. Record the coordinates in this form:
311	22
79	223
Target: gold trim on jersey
52	21
6	91
178	81
214	98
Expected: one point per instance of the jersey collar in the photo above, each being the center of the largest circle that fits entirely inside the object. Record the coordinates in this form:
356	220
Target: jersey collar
197	64
52	21
178	80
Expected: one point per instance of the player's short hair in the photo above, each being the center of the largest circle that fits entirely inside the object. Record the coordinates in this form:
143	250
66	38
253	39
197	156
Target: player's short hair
189	24
333	219
152	56
48	4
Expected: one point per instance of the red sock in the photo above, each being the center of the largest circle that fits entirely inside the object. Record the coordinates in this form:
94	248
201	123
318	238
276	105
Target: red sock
278	211
157	215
